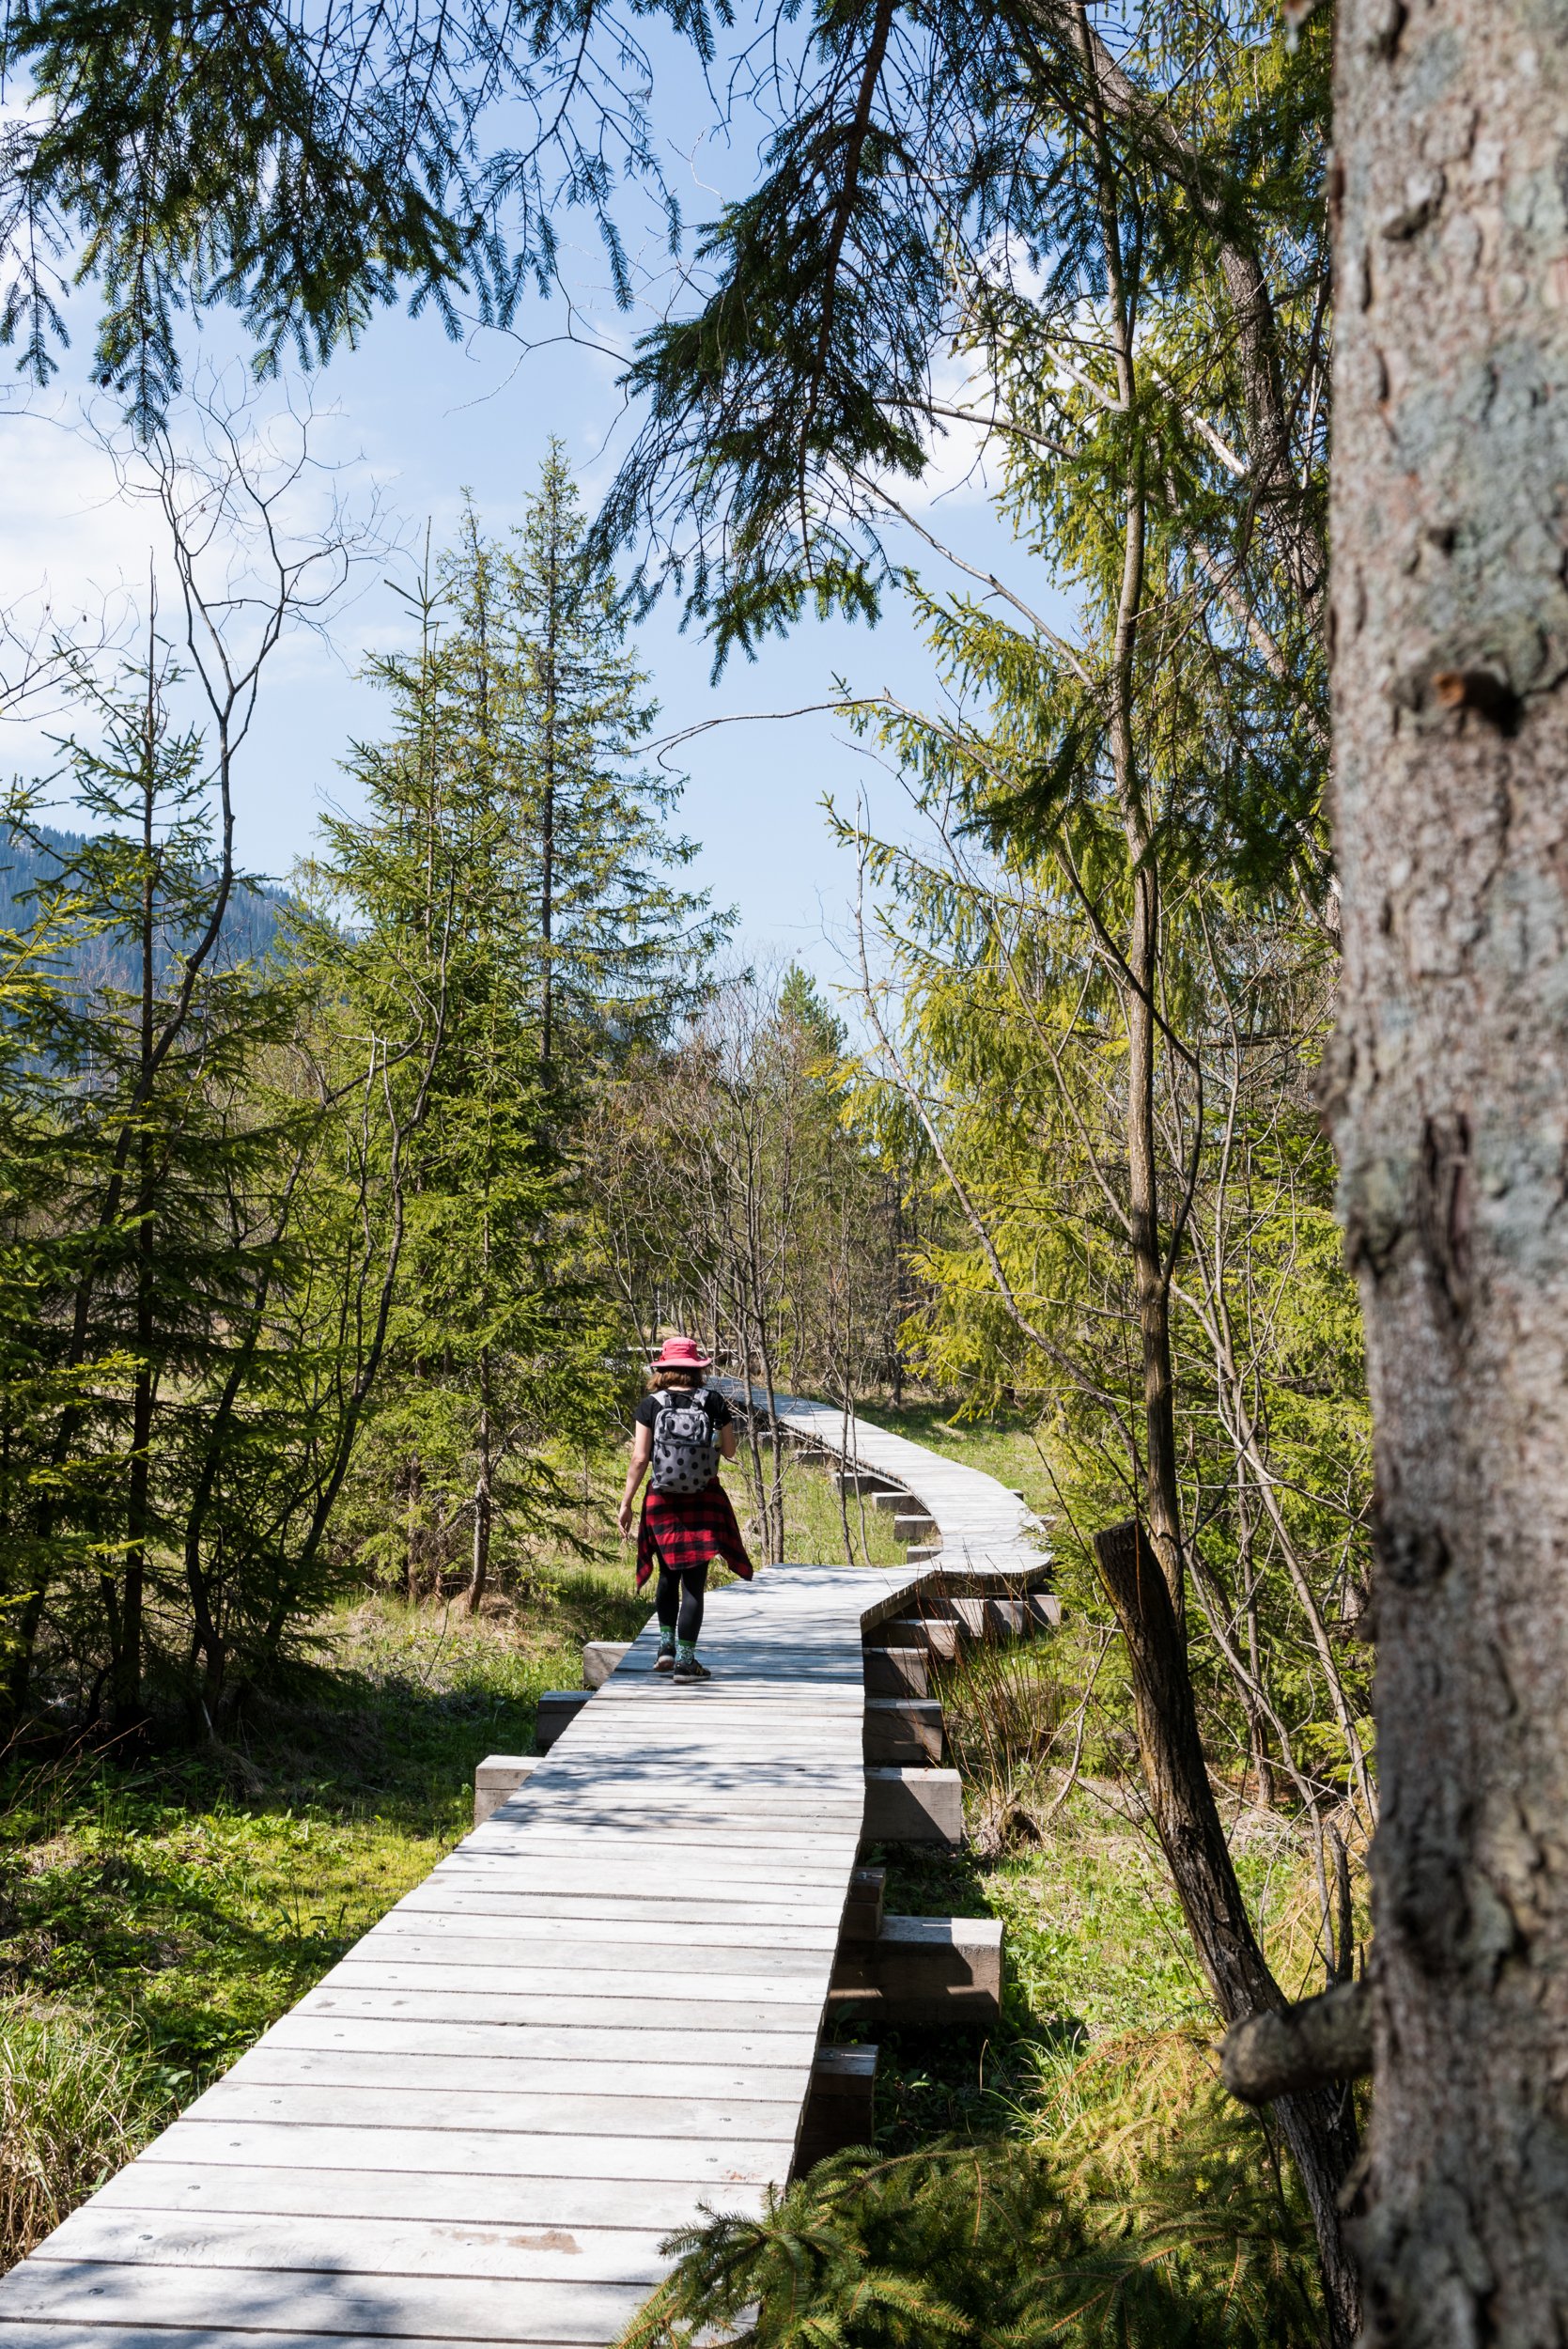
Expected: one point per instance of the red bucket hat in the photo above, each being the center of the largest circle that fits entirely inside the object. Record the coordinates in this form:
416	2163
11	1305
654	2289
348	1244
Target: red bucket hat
682	1354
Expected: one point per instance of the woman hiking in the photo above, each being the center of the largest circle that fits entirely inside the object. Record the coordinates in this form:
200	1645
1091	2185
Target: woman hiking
680	1428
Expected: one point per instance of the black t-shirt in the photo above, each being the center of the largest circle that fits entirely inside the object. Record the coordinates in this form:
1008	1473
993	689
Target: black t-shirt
716	1408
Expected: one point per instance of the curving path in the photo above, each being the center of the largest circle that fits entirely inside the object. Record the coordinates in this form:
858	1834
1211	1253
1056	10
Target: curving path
596	2017
982	1527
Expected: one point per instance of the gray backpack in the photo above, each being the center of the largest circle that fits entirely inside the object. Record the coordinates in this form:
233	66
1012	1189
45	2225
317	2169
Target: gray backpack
685	1443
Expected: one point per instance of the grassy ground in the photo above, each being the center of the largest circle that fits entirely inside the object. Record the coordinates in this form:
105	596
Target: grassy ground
816	1519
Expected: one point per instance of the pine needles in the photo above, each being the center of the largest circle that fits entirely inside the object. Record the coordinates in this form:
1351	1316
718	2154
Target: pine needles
1000	2246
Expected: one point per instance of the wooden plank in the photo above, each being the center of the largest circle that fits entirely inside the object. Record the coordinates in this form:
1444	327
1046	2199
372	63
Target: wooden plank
640	2046
284	2300
529	1833
554	1869
674	1835
898	1672
634	1858
577	1986
750	1869
414	1995
762	1814
623	1736
469	2152
390	2106
271	2065
600	1659
560	1942
123	2333
903	1729
597	1907
678	1839
914	1806
521	1926
776	1735
291	2189
726	1793
135	2237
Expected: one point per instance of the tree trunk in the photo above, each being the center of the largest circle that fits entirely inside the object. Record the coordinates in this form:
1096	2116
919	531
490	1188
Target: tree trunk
1319	2129
1153	1285
483	1504
547	816
1448	1097
124	1673
411	1544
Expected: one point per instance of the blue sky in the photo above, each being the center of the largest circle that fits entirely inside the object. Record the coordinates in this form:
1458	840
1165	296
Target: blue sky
411	420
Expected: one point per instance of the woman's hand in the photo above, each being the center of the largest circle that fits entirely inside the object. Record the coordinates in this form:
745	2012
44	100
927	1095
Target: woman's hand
642	1453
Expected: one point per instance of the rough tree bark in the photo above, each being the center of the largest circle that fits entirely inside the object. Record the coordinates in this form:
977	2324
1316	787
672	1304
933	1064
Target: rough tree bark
1319	2127
1448	1097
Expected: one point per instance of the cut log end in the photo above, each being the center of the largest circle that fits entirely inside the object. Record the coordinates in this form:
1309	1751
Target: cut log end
1310	2045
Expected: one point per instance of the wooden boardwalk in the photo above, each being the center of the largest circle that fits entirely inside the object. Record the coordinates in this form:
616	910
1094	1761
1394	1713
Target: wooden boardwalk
983	1529
598	2016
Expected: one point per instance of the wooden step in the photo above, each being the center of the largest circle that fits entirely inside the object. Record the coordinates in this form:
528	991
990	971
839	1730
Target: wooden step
862	1908
913	1805
497	1778
841	2104
600	1659
558	1709
898	1727
939	1637
898	1672
903	1729
913	1527
855	1480
922	1969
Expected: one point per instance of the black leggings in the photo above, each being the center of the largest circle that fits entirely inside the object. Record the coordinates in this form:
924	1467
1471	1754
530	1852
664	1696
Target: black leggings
681	1601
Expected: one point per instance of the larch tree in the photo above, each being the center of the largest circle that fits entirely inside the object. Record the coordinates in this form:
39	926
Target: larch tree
1448	1097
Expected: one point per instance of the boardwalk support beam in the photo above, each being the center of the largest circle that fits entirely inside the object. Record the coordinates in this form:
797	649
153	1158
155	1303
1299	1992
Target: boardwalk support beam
841	2107
922	1969
913	1806
497	1778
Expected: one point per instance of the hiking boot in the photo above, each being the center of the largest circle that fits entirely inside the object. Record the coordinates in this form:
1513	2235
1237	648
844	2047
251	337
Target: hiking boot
665	1660
689	1668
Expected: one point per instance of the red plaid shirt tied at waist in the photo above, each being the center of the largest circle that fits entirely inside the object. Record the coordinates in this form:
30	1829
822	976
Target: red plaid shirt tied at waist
680	1530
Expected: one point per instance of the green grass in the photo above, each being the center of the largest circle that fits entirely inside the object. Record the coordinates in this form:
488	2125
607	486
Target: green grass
815	1519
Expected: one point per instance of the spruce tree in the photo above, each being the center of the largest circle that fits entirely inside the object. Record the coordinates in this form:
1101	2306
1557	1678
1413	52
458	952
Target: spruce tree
139	1170
619	945
512	873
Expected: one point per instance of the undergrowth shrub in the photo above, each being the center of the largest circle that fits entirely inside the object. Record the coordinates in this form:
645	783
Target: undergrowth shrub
1193	2242
77	2100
